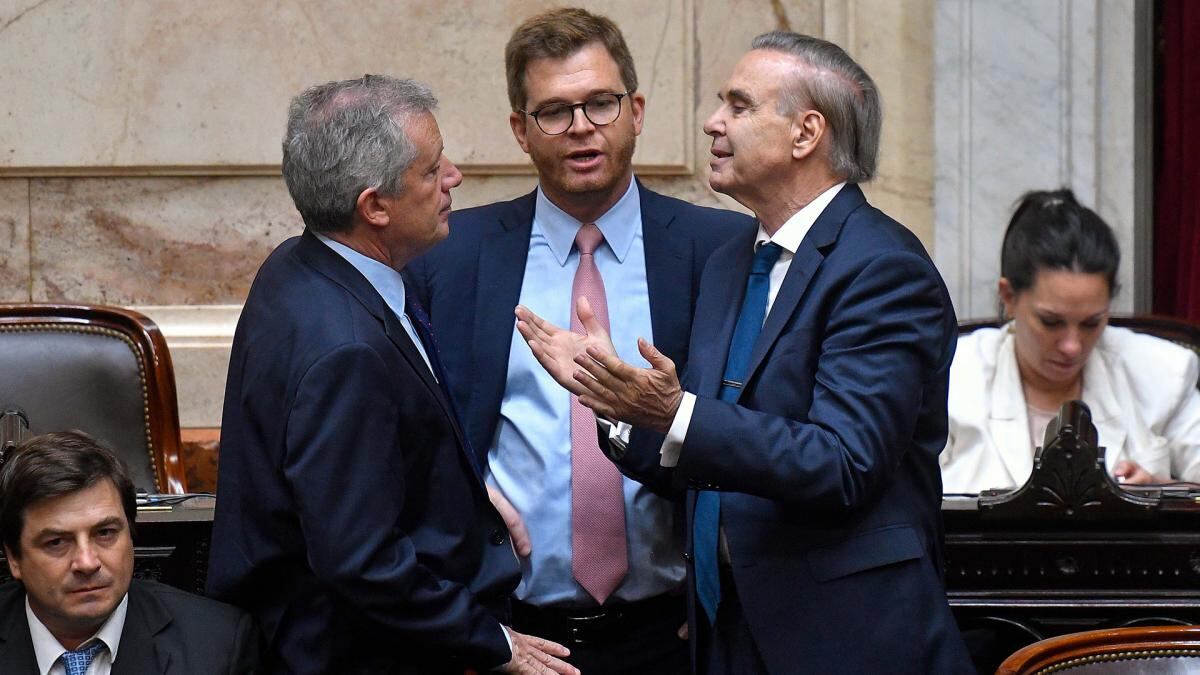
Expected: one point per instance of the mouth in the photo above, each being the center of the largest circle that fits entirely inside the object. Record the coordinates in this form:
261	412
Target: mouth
584	159
88	589
719	157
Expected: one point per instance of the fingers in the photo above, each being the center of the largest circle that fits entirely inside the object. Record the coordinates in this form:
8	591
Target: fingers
521	542
655	358
1123	468
551	648
592	325
535	655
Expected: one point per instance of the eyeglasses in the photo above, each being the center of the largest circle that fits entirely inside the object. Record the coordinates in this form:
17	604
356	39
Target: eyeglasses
556	118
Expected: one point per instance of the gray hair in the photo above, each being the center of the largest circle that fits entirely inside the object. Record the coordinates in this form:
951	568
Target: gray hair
344	137
838	88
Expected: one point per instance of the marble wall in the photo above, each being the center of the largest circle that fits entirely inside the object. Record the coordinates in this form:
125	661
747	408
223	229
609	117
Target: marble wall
1039	95
146	174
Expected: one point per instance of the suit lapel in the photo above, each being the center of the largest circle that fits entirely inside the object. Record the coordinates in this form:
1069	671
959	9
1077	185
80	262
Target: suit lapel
1098	391
1009	421
808	258
724	290
326	261
16	647
141	651
502	257
668	263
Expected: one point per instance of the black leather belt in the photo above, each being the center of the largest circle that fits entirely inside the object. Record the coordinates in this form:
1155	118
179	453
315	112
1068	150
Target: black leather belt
597	625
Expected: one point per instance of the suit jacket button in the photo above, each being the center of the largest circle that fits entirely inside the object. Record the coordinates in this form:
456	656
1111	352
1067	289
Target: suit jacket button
497	537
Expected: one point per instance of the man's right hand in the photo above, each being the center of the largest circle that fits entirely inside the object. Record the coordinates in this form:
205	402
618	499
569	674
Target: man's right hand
521	542
535	655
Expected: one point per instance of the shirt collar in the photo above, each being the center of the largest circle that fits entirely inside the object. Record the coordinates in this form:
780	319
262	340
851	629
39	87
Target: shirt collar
385	280
795	228
619	225
47	648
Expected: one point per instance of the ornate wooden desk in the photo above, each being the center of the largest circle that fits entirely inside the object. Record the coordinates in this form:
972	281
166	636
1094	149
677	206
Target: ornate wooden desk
1071	550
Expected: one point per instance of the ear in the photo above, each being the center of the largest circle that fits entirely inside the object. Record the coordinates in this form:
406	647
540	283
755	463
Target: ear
637	106
516	120
1008	297
808	128
371	209
14	563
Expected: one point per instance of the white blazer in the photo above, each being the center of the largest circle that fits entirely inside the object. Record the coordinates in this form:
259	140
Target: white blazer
1141	390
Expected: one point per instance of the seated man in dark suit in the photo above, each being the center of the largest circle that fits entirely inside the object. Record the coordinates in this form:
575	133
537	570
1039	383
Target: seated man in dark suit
67	508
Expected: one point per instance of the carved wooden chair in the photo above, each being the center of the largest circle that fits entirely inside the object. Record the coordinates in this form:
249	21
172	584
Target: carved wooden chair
1158	650
102	370
1181	332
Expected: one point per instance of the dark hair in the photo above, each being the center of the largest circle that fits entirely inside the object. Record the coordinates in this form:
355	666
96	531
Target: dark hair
834	85
53	465
558	34
1051	231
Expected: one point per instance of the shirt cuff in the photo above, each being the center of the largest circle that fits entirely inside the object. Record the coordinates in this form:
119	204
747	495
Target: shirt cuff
677	434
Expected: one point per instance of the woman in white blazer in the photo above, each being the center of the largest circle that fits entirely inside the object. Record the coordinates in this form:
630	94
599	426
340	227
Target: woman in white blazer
1058	265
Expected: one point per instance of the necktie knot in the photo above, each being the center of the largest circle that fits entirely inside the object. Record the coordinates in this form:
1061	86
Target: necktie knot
588	239
765	258
76	661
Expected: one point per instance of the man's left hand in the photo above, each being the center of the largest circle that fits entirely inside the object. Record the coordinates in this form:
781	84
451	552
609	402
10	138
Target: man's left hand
643	397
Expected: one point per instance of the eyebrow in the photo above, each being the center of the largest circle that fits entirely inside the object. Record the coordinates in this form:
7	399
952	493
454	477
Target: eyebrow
739	94
107	522
591	93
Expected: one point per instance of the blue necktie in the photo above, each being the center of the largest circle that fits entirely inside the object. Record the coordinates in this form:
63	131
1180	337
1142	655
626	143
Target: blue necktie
707	518
77	661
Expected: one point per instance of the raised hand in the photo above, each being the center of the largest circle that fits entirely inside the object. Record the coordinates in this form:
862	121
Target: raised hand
643	397
556	348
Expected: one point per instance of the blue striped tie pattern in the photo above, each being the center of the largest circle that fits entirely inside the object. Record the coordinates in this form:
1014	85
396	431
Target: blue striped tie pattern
78	660
707	518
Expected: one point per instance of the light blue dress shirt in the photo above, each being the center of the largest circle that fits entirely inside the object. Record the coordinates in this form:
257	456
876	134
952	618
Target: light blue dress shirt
386	281
530	456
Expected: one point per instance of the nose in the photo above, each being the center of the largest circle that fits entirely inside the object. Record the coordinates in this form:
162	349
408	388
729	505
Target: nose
86	561
453	177
715	124
580	122
1071	345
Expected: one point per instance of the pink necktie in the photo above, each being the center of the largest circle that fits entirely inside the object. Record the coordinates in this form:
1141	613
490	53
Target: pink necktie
599	560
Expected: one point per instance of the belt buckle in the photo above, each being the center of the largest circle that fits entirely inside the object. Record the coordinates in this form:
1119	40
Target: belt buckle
581	629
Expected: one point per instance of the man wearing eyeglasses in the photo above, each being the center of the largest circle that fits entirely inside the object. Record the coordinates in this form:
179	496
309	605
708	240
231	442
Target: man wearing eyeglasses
602	567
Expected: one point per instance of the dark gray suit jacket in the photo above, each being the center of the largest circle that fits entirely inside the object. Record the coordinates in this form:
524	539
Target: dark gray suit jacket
166	631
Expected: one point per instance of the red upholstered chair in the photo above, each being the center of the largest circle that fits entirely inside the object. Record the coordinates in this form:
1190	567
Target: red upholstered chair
103	370
1158	650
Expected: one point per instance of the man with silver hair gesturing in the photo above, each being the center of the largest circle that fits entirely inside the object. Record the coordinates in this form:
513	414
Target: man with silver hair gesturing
353	522
813	409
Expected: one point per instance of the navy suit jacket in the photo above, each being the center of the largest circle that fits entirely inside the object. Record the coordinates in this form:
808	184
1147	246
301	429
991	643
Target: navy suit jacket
471	284
166	632
352	522
827	464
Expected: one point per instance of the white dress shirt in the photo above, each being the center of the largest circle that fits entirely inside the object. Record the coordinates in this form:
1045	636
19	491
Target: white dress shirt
47	648
788	237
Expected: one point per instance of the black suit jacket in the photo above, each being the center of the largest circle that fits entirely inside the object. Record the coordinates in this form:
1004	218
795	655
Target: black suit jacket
471	284
352	521
166	631
827	464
